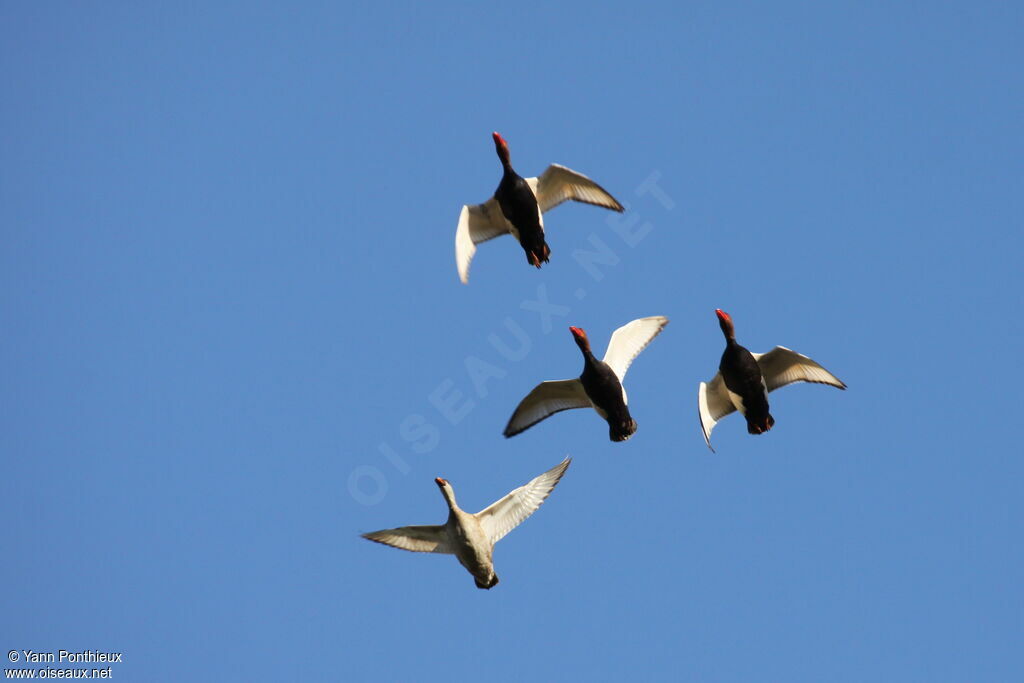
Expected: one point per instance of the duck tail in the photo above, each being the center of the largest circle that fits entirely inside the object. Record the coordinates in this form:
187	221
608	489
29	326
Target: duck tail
623	431
762	426
487	585
536	259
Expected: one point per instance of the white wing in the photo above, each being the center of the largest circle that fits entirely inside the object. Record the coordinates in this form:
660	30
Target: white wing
629	340
558	183
713	404
506	514
418	539
476	224
782	366
546	399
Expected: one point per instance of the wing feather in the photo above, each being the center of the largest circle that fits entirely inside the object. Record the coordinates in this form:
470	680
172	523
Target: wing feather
713	404
417	539
782	366
477	223
506	514
558	184
629	340
546	399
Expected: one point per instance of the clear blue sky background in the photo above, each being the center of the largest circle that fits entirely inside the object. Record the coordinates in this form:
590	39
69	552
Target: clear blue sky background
227	277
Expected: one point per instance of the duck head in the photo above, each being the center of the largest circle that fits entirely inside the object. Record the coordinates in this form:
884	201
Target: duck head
581	339
446	490
725	322
501	147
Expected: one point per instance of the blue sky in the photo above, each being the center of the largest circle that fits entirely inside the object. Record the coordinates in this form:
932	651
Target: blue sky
228	292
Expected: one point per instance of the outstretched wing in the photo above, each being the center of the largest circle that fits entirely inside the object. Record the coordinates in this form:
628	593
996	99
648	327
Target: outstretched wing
506	514
477	224
712	405
418	539
558	183
782	366
546	399
629	340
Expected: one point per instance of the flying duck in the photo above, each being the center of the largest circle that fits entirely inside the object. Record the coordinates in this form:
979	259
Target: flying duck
471	537
744	380
600	385
517	207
